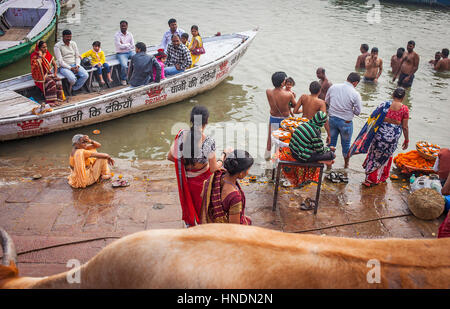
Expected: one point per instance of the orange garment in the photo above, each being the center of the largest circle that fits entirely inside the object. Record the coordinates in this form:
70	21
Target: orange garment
297	176
86	170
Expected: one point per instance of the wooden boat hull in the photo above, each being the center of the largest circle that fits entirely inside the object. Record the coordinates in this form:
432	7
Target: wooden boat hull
15	53
127	101
437	3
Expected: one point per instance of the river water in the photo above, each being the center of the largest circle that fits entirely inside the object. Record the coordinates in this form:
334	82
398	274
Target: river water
294	36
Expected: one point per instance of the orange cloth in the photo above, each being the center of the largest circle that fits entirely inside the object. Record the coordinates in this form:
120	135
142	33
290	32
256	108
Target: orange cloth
297	176
86	170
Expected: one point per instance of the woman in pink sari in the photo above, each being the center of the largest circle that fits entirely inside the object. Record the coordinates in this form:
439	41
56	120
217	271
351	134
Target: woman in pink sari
194	156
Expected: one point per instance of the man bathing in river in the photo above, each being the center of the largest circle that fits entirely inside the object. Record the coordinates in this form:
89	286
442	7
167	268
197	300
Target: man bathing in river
396	60
324	83
374	66
409	66
279	100
311	104
444	63
360	62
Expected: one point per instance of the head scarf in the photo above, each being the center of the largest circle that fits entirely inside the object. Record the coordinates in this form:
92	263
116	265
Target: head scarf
47	55
160	54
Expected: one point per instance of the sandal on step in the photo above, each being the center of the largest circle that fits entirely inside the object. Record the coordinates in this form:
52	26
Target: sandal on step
308	204
120	183
342	177
333	177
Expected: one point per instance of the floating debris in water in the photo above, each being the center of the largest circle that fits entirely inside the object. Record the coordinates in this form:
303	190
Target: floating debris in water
96	132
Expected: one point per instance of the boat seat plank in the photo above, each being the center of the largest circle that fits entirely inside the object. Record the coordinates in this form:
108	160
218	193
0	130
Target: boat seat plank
15	104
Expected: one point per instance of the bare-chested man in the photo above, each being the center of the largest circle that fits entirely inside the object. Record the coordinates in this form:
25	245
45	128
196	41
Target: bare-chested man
279	100
396	60
374	66
311	104
444	63
409	66
324	83
437	57
360	62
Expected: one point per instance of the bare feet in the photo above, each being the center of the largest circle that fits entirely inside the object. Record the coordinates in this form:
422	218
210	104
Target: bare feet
347	162
106	177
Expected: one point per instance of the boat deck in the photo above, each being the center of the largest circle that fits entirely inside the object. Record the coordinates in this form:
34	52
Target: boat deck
15	34
13	104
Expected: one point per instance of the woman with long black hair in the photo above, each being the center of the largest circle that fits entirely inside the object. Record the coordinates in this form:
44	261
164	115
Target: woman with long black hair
194	155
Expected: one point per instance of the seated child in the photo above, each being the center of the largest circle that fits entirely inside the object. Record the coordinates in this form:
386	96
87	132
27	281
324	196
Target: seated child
97	57
161	57
185	38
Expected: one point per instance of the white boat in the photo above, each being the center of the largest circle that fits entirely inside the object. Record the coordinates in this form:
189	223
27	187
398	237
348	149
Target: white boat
16	121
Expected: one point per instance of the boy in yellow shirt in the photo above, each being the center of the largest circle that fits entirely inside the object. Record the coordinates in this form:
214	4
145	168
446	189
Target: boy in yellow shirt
97	57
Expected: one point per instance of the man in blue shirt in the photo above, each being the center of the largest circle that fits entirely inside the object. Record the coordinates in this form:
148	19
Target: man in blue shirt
167	38
141	67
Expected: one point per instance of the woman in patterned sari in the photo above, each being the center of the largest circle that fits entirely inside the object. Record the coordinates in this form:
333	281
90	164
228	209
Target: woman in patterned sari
379	157
223	198
194	155
42	64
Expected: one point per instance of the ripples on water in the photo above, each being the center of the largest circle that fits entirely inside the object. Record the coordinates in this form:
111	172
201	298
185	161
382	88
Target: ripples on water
296	37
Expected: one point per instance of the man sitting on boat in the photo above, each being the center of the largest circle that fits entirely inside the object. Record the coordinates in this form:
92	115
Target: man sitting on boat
124	42
42	65
87	165
173	29
68	58
141	67
178	57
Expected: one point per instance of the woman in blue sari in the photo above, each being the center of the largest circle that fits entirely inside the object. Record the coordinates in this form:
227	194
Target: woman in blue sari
380	136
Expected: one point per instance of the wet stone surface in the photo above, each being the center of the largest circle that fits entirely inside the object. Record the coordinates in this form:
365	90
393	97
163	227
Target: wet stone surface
47	211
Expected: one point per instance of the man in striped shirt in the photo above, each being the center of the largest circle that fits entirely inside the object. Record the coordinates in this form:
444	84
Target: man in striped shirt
178	57
306	143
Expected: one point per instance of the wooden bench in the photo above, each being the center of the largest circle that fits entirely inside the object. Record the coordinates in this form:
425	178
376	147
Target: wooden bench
280	164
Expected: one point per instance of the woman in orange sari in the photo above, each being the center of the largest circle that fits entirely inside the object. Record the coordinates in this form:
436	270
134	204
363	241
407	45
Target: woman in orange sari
42	64
87	165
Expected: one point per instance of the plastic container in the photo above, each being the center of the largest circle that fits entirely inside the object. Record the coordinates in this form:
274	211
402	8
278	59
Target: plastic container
426	182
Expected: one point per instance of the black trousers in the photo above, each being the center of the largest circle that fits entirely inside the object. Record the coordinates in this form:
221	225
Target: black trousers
323	156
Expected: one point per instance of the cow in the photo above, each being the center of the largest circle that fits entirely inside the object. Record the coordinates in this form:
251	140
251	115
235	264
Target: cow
230	256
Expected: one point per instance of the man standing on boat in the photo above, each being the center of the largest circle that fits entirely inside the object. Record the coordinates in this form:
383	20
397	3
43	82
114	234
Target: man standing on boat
68	60
124	42
141	67
167	38
178	57
409	66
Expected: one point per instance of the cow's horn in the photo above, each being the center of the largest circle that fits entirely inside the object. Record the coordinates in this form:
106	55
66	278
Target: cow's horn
9	250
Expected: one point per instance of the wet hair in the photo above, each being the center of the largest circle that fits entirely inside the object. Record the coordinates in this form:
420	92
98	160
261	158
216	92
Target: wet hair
191	148
97	43
412	43
400	52
238	161
322	70
365	47
314	87
66	32
374	50
141	46
290	80
353	77
399	93
185	35
40	44
196	28
123	22
171	21
278	78
445	52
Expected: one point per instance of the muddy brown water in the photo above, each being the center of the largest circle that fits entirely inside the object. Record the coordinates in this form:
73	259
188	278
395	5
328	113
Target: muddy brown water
296	37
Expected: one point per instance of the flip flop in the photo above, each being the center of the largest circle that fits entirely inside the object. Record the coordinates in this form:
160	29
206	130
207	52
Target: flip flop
333	177
308	204
342	177
120	183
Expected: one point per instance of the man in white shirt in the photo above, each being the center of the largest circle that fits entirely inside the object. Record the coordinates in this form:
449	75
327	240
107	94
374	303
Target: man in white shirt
68	60
124	42
344	102
167	38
